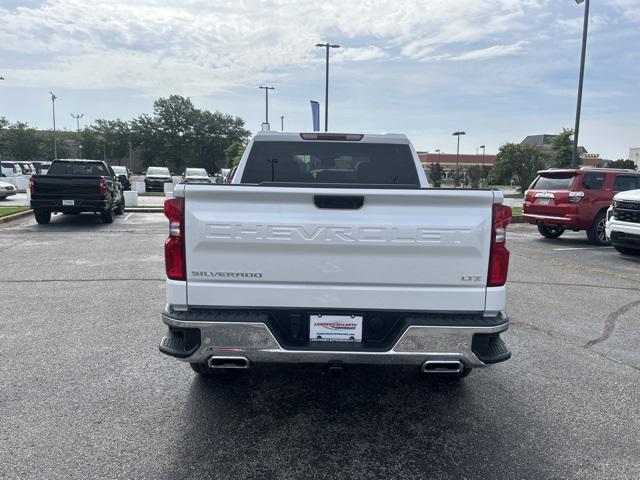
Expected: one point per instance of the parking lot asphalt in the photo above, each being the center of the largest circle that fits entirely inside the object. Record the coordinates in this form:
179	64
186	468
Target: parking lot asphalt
86	394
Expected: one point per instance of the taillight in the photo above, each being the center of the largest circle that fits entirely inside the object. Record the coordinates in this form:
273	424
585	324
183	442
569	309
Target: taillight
32	186
103	187
499	255
174	257
575	197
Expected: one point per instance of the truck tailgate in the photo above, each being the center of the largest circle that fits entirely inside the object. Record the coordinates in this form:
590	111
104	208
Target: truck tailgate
66	185
268	246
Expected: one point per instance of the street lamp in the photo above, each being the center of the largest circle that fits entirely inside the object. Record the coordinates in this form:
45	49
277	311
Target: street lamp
576	132
266	100
327	46
458	134
55	141
78	117
282	123
483	153
130	154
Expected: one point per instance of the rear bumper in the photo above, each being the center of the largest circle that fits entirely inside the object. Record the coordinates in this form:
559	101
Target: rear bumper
153	184
194	338
566	221
80	204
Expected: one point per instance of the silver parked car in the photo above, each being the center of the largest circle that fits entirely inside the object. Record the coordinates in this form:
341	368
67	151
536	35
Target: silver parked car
6	190
196	175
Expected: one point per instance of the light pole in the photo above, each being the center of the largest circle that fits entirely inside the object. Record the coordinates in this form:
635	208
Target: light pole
458	134
576	132
130	154
78	117
483	153
55	141
282	123
327	46
266	100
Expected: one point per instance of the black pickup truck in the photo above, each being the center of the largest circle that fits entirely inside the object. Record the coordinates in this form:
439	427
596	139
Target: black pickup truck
76	186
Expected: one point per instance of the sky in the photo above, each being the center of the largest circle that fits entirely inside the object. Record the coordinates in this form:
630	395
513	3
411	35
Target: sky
498	69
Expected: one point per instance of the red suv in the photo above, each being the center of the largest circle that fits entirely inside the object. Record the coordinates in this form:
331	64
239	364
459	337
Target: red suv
560	200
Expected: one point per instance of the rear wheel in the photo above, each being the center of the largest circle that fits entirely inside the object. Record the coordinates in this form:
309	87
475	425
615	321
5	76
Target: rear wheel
550	231
107	215
596	233
42	217
627	250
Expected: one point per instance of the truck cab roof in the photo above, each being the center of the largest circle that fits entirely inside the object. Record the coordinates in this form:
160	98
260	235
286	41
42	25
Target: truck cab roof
397	138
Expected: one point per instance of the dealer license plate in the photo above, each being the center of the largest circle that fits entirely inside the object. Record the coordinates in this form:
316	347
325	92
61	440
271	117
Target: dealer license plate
335	328
68	203
543	201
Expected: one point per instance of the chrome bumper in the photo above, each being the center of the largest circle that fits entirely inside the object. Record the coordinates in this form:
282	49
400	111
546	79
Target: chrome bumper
255	342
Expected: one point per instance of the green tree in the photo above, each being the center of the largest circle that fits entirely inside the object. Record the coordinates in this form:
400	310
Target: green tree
107	139
91	142
4	123
435	174
620	163
474	173
562	149
179	135
214	134
519	163
176	118
21	142
146	136
234	153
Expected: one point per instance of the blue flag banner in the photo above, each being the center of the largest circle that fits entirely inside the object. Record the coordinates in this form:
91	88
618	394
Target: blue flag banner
315	115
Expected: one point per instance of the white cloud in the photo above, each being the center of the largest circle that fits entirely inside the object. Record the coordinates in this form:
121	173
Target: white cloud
629	8
361	54
419	60
202	46
492	52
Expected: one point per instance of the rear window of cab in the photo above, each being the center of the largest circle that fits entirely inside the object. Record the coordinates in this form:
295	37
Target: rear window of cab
554	181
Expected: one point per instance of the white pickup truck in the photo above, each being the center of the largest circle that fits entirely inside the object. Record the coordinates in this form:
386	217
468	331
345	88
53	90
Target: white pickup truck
623	222
333	249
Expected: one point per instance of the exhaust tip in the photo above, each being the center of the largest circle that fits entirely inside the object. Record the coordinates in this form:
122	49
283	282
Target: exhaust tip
228	362
442	366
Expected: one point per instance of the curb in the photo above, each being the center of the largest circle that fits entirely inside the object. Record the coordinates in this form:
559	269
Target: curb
15	216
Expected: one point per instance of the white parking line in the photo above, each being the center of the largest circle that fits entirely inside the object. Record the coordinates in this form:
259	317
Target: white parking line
128	217
579	248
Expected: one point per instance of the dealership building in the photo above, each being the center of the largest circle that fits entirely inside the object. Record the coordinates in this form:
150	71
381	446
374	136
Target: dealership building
450	161
634	154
